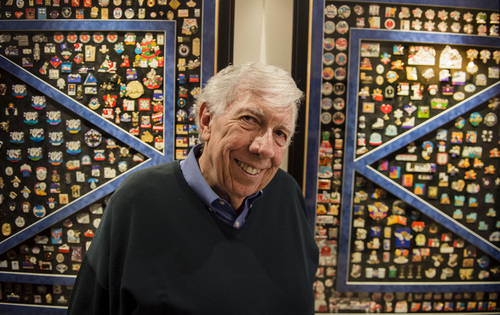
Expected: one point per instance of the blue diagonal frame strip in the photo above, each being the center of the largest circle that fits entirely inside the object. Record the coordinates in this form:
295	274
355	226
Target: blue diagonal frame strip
361	165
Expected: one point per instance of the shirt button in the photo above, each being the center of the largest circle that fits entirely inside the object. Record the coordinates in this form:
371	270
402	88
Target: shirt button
221	202
211	210
237	224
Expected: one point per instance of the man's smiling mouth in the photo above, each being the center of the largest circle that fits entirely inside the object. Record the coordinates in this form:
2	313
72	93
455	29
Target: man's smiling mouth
247	168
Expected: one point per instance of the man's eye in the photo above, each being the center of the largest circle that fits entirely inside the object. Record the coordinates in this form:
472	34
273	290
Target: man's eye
248	118
281	134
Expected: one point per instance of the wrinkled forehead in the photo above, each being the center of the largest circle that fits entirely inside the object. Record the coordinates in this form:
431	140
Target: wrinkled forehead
263	101
282	117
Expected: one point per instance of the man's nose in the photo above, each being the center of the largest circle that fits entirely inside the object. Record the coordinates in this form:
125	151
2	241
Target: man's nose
263	145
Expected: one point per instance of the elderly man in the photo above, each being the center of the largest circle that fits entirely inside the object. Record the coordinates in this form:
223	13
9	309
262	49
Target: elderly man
223	232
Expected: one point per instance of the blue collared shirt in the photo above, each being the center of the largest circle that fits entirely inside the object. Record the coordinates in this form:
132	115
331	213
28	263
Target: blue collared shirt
220	207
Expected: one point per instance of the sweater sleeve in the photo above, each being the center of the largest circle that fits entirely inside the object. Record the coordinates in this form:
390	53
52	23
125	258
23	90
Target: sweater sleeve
98	286
88	296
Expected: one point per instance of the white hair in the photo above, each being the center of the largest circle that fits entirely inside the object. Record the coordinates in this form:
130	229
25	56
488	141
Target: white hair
268	84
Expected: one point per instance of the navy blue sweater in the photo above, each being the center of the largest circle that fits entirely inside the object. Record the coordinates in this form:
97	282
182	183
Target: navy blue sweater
158	250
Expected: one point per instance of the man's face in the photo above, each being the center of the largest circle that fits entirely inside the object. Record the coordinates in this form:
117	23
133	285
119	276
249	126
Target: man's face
243	147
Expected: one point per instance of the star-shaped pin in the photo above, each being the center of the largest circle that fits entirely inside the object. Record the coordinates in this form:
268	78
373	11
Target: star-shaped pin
385	58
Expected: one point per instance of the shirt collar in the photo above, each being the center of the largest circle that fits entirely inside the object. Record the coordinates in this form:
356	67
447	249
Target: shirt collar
223	209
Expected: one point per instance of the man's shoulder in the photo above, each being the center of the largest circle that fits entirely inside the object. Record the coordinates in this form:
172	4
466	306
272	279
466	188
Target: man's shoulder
156	171
284	177
282	181
151	176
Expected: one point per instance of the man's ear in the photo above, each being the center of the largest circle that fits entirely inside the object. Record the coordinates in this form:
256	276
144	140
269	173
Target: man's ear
204	119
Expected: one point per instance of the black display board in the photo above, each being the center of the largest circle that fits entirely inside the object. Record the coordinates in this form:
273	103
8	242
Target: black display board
402	164
91	91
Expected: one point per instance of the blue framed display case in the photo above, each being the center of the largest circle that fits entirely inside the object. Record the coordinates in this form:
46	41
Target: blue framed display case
38	267
355	181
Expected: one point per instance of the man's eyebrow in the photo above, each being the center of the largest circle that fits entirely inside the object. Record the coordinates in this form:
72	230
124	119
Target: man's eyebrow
256	111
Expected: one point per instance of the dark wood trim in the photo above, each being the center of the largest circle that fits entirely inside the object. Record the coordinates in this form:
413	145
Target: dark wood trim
225	43
300	44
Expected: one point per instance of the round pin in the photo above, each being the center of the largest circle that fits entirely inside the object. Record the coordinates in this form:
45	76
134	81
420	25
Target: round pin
487	183
340	73
331	11
339	103
98	38
59	258
39	211
183	50
341	59
129	13
85	37
117	13
490	119
389	24
326	103
72	37
328	43
326	118
328	73
341	44
20	221
327	88
54	14
344	11
338	118
328	58
112	37
458	96
58	38
339	88
181	102
342	27
470	88
93	138
329	27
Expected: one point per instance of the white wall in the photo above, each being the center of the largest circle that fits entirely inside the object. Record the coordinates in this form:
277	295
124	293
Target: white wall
263	32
